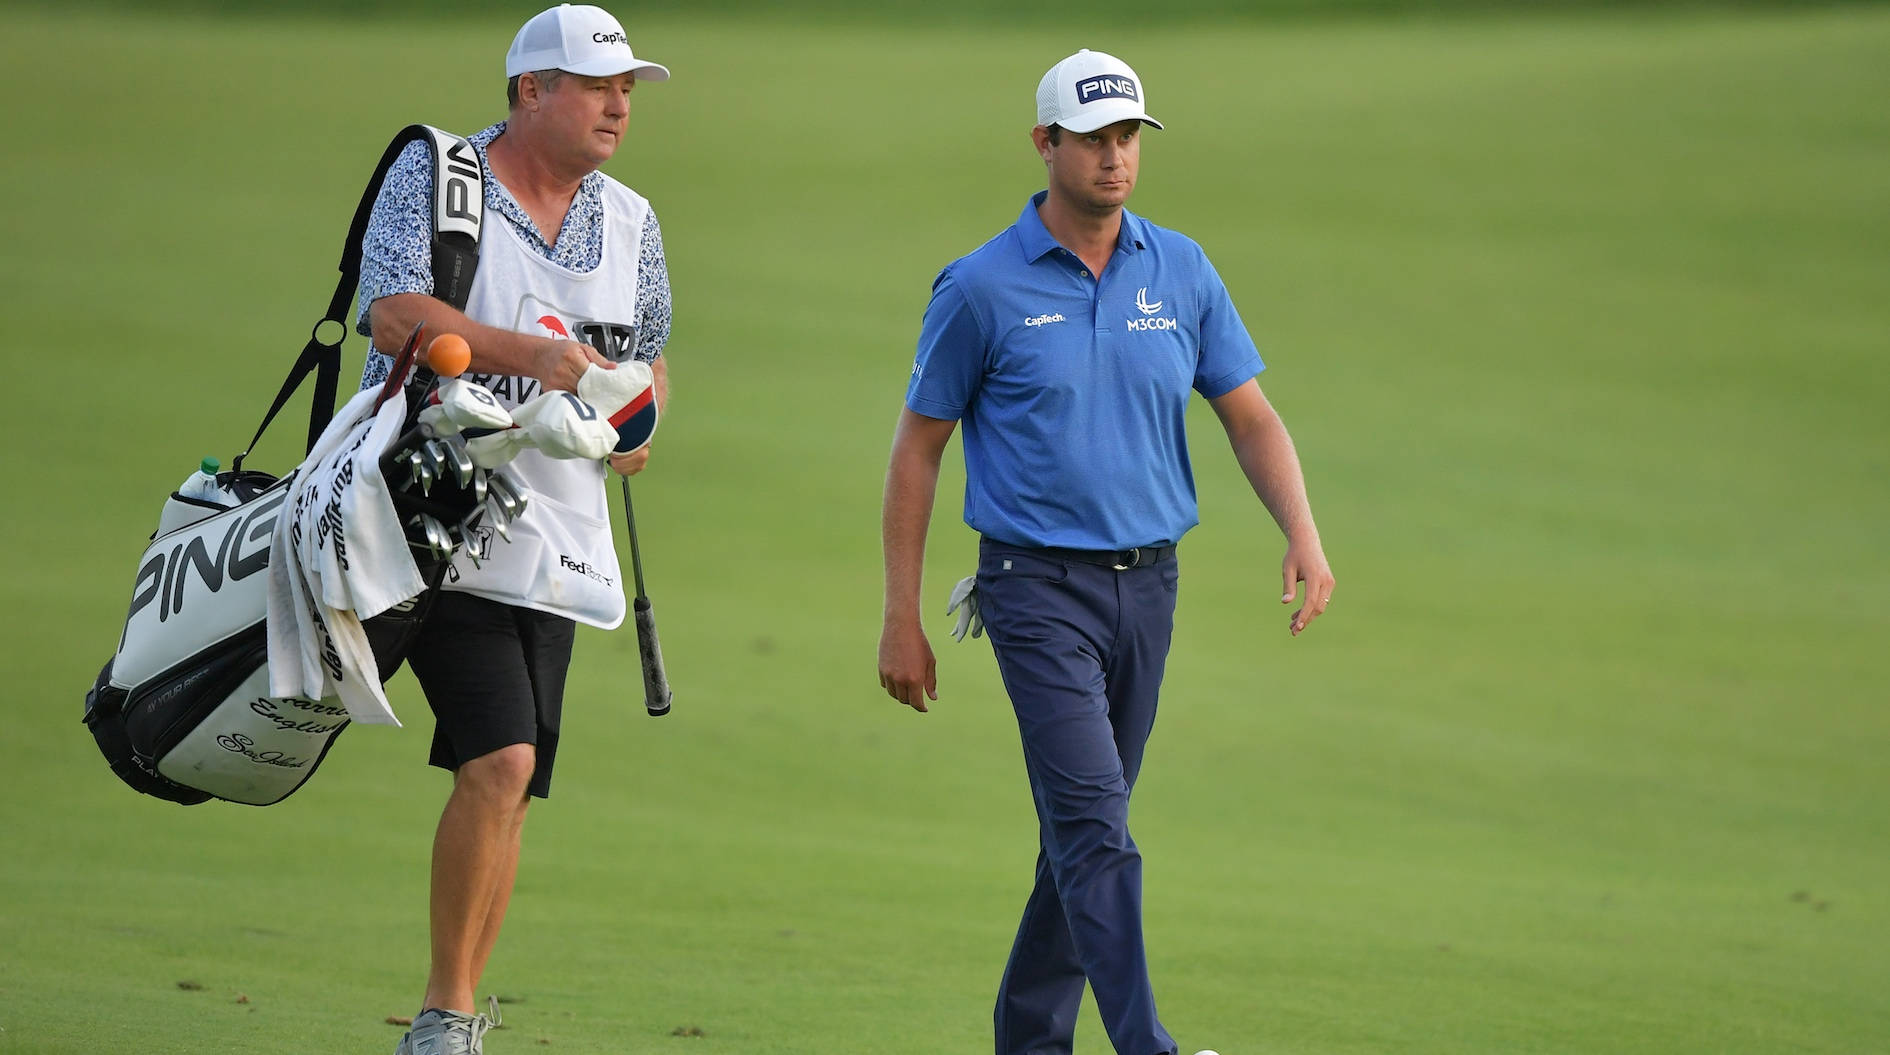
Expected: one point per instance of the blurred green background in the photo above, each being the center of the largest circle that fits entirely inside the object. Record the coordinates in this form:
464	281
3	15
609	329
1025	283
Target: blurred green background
1578	314
988	14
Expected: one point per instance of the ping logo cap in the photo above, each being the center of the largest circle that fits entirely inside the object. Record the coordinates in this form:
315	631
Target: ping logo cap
1089	90
577	38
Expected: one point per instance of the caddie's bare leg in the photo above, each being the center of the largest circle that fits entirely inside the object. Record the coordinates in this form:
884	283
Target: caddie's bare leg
475	859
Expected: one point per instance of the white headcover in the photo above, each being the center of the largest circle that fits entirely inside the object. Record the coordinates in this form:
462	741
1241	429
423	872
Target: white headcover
458	404
563	426
607	390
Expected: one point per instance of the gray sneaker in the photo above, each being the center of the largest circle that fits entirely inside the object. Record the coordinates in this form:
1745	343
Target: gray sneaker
437	1032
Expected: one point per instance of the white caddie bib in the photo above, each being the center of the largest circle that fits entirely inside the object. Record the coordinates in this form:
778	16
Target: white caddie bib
561	557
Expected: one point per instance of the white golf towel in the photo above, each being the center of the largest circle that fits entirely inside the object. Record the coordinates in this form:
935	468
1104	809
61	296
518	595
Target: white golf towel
339	557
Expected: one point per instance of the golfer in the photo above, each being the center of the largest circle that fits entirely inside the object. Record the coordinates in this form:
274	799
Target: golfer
1068	346
571	273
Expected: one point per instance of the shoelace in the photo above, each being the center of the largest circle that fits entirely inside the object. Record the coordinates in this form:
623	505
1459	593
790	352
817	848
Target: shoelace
476	1027
481	1023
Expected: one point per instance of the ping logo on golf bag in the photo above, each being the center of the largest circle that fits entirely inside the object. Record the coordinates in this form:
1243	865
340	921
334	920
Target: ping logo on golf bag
243	551
1090	89
461	197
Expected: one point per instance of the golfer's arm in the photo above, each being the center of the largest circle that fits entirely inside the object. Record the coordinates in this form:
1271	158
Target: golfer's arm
659	372
906	513
1266	454
494	351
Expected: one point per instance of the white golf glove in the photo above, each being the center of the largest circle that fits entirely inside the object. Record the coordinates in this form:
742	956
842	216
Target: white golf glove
964	601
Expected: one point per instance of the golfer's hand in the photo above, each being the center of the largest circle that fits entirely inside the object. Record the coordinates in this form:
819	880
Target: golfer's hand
907	669
1306	563
632	463
559	364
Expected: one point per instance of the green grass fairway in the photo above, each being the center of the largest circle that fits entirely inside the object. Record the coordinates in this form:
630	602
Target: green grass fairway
1580	323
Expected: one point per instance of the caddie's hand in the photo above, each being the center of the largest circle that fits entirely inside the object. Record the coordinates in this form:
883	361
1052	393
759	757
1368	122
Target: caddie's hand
907	669
1306	563
964	601
560	363
632	463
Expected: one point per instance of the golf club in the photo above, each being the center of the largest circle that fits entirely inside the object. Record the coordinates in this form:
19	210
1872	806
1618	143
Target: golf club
656	694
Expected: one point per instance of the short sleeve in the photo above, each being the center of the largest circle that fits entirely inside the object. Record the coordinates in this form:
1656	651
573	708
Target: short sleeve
1228	357
949	365
652	292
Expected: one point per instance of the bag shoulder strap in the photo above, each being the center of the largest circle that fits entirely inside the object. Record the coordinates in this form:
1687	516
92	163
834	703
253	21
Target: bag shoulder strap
458	206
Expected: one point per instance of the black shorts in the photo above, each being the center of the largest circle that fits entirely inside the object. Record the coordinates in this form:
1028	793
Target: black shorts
494	675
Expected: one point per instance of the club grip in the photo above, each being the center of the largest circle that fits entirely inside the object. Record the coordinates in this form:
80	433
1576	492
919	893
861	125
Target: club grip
656	694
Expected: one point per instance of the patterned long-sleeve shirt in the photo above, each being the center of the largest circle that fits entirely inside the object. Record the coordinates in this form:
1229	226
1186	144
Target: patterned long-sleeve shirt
396	254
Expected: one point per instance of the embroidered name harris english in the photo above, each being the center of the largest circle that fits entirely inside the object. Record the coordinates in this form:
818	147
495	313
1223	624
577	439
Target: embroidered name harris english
1149	320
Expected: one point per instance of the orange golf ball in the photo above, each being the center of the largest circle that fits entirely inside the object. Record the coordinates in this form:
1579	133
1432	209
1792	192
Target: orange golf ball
448	355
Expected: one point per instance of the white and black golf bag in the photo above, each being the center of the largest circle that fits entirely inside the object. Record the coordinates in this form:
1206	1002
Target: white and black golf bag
183	710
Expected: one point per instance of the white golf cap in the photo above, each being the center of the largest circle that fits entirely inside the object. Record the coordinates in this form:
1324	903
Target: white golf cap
1089	90
577	38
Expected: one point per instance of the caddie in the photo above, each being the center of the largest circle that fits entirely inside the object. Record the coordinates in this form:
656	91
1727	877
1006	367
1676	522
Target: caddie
570	273
1069	346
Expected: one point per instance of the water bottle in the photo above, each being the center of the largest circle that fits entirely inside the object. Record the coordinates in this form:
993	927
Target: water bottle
202	484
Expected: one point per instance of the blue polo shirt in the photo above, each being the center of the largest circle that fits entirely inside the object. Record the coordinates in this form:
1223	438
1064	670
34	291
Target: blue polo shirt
1074	392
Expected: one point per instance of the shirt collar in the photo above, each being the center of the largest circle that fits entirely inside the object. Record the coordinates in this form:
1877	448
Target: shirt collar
589	197
1037	240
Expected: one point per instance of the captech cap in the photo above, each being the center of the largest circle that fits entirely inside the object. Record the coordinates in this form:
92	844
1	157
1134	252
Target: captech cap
1089	90
577	38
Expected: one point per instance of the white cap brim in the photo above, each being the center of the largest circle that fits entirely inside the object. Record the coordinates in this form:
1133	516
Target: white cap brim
1095	117
645	71
601	67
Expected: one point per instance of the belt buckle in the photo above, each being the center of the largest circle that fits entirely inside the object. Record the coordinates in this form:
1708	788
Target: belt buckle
1135	559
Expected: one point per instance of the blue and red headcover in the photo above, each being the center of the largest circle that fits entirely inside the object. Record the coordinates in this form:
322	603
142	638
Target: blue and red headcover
635	422
626	397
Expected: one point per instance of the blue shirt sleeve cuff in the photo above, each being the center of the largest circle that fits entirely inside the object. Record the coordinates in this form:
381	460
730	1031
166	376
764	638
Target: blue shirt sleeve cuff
934	409
1233	379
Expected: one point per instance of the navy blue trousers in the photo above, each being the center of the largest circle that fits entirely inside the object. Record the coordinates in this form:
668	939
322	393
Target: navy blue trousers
1081	648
